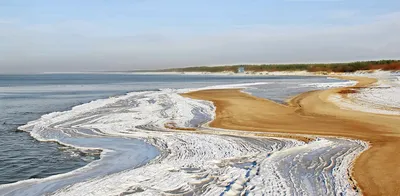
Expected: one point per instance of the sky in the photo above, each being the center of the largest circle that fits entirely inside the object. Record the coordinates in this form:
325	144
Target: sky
121	35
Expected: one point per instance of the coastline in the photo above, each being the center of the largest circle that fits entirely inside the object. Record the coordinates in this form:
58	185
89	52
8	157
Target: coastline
375	170
200	151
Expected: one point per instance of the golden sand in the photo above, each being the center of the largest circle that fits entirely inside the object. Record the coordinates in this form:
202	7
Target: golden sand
377	170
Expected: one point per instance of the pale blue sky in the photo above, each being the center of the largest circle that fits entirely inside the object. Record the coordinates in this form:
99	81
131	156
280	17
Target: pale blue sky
89	35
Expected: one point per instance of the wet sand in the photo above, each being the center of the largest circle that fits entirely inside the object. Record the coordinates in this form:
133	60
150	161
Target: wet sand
377	170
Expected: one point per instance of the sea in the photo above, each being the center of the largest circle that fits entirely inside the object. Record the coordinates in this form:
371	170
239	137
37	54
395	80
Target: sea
23	98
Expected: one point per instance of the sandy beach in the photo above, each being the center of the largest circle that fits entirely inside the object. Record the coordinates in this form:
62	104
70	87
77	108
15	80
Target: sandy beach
376	171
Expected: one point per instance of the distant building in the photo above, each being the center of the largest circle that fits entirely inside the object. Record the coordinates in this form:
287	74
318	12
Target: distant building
241	69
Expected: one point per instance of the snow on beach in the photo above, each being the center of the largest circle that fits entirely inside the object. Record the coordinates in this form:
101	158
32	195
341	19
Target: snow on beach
230	73
141	156
381	98
331	85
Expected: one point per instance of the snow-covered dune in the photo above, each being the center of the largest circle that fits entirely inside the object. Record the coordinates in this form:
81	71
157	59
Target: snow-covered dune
382	98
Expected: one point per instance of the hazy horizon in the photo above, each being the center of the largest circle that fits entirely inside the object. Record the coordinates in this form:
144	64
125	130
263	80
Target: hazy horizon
81	36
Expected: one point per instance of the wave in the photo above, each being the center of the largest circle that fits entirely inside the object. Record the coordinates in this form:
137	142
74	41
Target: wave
141	155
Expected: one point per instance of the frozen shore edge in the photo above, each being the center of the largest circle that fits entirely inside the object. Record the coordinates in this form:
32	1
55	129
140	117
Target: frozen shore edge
364	144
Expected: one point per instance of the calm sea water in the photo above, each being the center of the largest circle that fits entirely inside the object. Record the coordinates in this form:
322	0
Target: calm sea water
26	97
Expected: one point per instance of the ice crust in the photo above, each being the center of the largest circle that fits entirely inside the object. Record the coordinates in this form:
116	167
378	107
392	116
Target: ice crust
140	156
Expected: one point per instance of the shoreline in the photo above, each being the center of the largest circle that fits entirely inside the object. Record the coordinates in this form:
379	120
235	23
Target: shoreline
183	111
259	73
312	113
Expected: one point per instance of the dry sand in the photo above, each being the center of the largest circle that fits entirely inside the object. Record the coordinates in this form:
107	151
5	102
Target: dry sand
377	170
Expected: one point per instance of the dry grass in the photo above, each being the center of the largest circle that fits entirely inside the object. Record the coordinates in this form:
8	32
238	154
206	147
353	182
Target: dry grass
174	127
348	91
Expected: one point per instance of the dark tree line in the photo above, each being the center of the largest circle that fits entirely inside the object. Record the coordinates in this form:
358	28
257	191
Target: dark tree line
331	67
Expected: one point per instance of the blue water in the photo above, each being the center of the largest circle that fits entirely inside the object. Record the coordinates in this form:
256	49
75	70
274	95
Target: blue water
27	97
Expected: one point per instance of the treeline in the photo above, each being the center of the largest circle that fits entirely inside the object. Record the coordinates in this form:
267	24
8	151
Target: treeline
332	67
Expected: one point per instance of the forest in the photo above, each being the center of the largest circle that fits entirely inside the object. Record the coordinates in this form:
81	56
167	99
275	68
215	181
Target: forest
324	67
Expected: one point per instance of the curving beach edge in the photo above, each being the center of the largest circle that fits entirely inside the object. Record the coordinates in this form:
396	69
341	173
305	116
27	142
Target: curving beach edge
375	171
